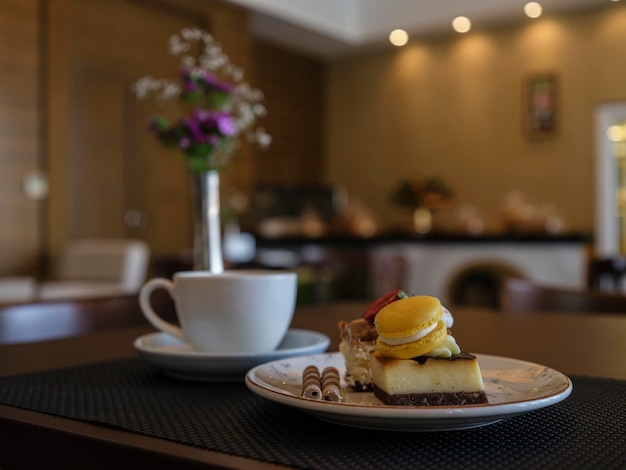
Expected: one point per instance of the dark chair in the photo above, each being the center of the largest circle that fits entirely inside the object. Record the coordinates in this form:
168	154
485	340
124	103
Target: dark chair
607	274
522	296
53	319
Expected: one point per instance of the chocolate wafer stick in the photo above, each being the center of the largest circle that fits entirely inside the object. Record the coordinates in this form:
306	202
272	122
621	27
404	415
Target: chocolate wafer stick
311	383
331	388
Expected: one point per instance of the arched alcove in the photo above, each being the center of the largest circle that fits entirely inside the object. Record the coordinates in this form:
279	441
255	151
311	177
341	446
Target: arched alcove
478	285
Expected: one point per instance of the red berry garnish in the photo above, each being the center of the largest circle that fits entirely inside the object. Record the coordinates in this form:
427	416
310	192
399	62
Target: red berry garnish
378	304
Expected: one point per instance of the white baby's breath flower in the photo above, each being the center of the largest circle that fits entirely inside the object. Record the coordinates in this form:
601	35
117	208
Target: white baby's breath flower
261	137
237	74
140	88
191	34
170	90
188	61
228	69
259	110
246	118
176	46
243	90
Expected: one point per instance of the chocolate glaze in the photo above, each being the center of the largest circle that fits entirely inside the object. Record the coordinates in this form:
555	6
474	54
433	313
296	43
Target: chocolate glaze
424	359
462	355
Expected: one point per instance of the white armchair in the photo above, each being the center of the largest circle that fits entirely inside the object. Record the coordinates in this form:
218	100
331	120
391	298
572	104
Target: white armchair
94	267
17	289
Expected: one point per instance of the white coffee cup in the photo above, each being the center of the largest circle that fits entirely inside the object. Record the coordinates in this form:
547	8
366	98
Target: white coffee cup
238	311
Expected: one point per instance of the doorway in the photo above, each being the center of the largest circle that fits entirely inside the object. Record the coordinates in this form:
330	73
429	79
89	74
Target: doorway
610	230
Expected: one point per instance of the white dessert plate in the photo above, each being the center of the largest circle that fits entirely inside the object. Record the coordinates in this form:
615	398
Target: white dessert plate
181	360
512	387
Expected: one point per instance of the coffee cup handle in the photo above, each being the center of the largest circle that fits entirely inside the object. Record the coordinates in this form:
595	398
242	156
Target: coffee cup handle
148	311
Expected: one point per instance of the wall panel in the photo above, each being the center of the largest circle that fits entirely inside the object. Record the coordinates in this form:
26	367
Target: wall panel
19	133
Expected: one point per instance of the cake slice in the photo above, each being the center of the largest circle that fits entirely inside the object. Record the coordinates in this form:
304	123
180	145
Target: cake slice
358	341
417	362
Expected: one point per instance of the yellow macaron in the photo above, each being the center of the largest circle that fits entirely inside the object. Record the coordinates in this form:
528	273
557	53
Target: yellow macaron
410	327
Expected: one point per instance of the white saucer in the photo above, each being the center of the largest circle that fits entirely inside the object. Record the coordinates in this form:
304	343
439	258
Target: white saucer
512	386
180	360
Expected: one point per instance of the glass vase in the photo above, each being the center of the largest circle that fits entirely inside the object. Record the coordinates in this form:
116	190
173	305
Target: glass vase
207	245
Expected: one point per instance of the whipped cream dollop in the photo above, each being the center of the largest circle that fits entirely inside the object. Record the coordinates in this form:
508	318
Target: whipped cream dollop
447	349
447	317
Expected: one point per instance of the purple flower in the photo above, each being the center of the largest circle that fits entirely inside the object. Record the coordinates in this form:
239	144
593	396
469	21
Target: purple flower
213	82
201	115
226	124
194	126
188	82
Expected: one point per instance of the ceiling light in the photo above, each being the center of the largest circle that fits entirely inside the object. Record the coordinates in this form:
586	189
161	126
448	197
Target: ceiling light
398	37
461	24
533	9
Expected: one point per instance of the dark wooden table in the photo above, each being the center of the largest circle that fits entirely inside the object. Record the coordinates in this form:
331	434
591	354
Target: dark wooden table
593	345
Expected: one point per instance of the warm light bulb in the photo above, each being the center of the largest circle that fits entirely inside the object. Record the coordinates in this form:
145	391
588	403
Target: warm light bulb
533	9
616	133
35	185
461	24
398	37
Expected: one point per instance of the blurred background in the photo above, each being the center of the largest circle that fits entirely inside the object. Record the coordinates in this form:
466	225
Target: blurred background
440	165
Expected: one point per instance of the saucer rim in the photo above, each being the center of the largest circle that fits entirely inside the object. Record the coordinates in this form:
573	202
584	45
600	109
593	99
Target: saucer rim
137	344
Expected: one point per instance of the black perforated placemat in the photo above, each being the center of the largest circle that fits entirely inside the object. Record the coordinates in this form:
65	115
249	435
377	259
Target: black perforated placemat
587	430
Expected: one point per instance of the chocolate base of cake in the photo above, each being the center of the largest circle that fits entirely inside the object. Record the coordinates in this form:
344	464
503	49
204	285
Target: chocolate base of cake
431	399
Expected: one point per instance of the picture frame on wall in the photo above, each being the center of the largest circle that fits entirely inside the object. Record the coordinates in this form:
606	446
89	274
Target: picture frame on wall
541	95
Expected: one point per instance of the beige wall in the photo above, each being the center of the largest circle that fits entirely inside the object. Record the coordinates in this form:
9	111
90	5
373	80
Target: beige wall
292	85
454	108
